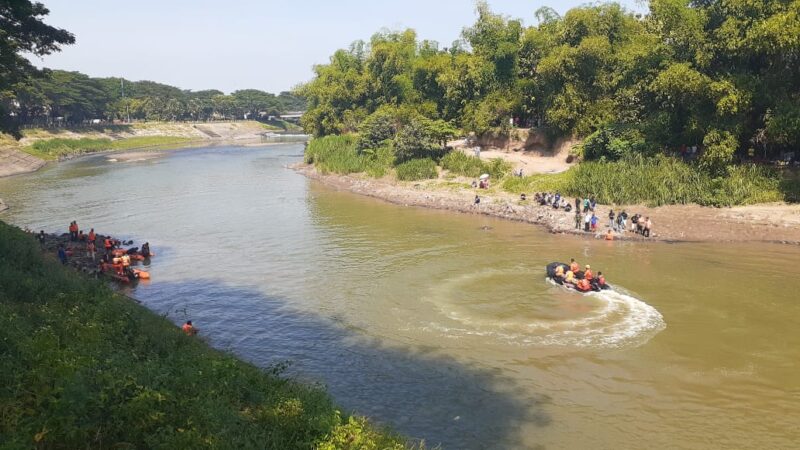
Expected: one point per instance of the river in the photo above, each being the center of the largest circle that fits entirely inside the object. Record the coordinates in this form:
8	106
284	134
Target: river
442	325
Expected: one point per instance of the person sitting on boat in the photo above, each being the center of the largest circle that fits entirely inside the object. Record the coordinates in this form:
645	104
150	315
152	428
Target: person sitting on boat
559	272
587	274
583	285
600	281
569	277
573	266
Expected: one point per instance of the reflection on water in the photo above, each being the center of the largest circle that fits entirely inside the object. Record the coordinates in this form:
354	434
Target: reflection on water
429	322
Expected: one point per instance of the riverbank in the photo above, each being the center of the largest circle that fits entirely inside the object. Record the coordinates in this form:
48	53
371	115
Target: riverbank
38	146
778	223
84	366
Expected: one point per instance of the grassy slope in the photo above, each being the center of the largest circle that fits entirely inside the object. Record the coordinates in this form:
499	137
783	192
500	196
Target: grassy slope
82	367
55	148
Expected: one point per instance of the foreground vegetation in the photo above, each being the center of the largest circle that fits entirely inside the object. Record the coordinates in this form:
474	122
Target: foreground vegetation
56	148
83	367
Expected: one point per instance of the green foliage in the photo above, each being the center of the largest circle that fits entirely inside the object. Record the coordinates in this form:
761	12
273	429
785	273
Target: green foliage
659	181
72	98
59	147
340	154
85	367
416	169
460	163
612	143
718	151
671	78
23	33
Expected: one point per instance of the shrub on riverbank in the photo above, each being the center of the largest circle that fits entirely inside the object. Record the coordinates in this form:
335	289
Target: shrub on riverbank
84	367
59	147
460	163
659	181
340	154
416	169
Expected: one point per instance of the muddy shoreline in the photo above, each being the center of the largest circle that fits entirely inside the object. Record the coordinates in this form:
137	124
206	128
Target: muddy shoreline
772	223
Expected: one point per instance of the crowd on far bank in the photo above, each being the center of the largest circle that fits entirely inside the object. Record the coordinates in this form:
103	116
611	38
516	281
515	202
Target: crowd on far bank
586	219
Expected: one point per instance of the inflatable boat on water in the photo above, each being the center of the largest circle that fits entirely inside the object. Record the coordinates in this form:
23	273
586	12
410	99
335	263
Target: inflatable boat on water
551	275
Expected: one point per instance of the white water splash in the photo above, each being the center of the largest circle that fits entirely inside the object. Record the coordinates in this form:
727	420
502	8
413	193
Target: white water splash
614	319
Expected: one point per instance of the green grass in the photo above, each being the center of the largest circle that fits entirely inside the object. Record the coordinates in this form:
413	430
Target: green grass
55	148
416	169
661	181
339	154
460	163
83	367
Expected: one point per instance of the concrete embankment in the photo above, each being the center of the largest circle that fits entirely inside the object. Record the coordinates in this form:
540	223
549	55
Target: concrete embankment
13	162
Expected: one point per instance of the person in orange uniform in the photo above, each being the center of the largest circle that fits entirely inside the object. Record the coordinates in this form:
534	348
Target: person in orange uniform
189	329
601	280
92	236
573	266
587	274
583	285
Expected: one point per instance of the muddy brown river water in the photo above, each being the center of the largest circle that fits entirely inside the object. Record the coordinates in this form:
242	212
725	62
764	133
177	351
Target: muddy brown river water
441	325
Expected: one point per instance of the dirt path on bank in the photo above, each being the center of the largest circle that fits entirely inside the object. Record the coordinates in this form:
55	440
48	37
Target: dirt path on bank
779	223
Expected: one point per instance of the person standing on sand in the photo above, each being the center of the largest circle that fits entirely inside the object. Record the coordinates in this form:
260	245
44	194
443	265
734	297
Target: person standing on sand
647	225
477	200
586	204
41	237
611	220
92	236
577	218
577	204
592	203
594	222
623	221
587	220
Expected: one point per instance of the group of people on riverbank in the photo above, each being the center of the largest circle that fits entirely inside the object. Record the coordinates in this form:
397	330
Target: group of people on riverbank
82	250
555	201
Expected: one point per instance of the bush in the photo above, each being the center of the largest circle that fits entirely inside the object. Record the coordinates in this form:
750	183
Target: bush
461	163
416	169
613	143
339	154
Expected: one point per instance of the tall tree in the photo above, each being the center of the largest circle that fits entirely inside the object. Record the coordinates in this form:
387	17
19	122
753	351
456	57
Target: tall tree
22	31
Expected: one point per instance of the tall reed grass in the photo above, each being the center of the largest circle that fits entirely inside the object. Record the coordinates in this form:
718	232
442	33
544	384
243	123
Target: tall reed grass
658	181
340	154
416	169
460	163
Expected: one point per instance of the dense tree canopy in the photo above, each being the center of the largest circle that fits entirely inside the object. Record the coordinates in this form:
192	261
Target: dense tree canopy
22	31
724	76
73	98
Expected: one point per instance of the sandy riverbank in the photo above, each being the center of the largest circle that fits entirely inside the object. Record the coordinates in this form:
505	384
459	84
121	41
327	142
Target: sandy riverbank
779	223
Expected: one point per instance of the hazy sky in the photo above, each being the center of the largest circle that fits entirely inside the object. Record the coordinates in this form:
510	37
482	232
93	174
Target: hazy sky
237	44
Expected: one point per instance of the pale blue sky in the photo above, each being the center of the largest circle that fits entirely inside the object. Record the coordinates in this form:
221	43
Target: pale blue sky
237	44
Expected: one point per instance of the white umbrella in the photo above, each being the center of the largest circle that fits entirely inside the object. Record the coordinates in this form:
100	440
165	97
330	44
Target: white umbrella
484	176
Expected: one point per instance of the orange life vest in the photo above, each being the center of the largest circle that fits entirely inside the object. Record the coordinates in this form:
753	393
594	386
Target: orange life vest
588	274
574	267
584	285
91	236
188	329
601	280
107	243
